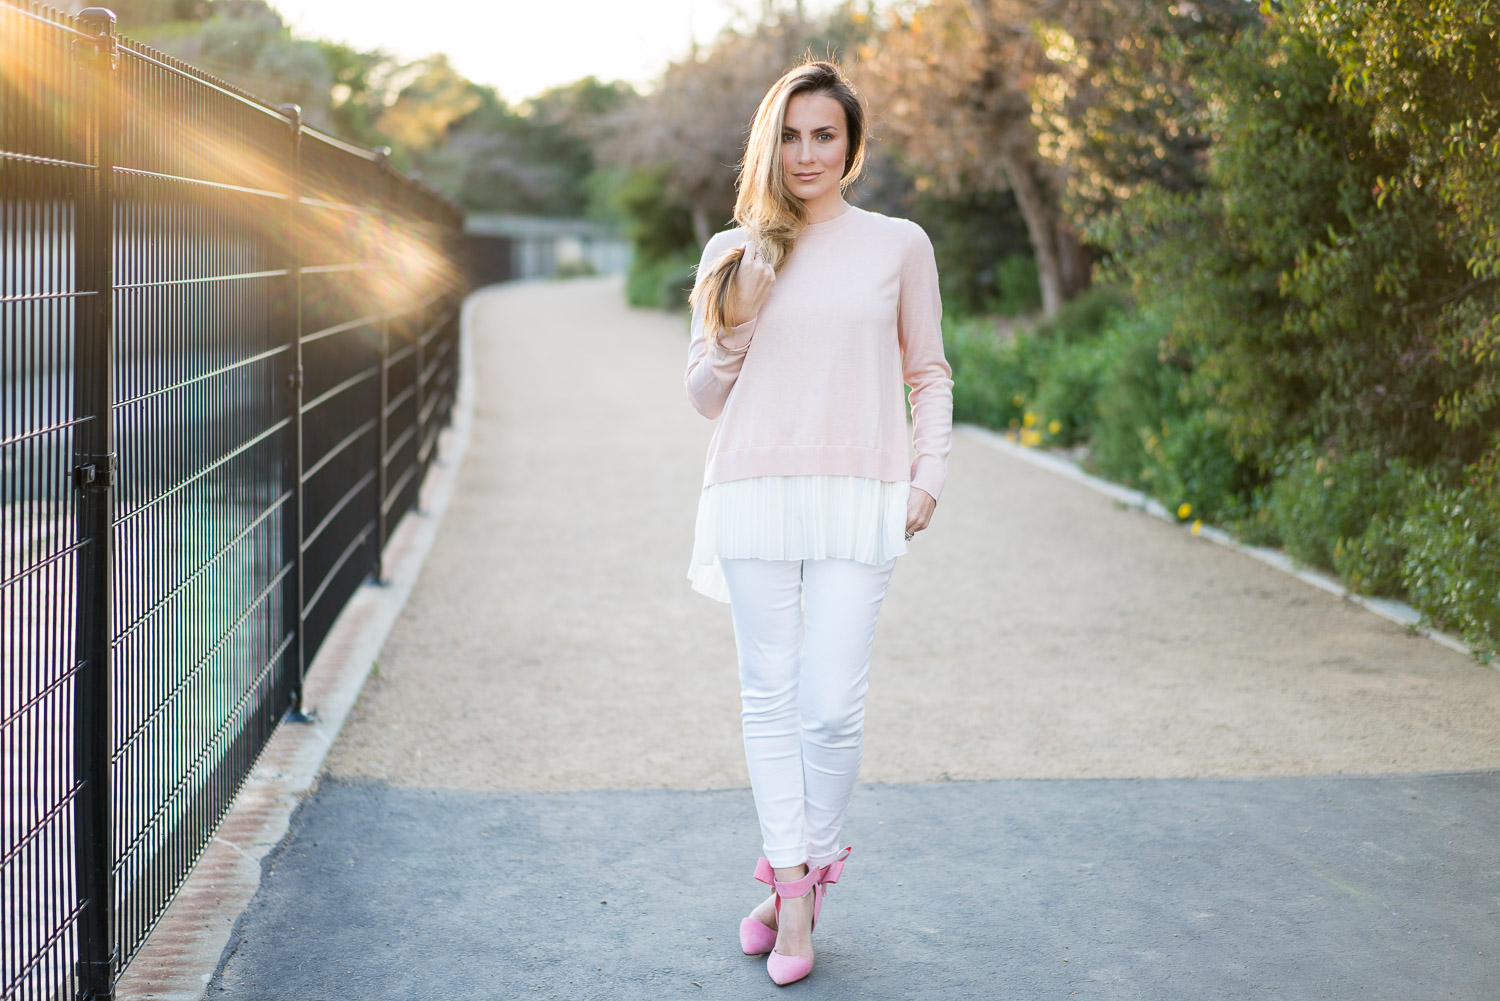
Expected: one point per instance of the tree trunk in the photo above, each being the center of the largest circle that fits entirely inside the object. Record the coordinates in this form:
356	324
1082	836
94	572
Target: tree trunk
1075	259
1040	226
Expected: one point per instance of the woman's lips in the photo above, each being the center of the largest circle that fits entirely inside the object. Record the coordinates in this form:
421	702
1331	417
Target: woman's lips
805	177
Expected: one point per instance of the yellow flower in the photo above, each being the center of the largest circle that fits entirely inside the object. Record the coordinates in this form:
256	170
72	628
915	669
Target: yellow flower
1197	526
1030	419
1019	400
1014	423
1184	509
1030	438
1054	426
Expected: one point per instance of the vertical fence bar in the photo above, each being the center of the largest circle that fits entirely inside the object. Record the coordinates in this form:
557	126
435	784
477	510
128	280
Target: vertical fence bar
295	533
94	477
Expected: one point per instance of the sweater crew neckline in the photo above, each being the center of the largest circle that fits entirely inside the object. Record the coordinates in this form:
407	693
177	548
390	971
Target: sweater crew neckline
829	225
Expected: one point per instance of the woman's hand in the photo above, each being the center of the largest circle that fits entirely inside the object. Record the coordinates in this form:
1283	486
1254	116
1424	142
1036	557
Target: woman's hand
751	286
919	507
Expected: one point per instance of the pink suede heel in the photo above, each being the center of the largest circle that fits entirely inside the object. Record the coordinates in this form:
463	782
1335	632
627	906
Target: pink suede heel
756	939
782	968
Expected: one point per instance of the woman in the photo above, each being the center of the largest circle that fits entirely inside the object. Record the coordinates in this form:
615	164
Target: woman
807	319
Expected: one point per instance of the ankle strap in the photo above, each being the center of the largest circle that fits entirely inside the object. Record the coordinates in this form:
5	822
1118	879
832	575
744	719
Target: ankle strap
788	888
832	869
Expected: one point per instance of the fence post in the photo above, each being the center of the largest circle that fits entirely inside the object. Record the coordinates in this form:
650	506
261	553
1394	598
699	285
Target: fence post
377	553
94	466
294	534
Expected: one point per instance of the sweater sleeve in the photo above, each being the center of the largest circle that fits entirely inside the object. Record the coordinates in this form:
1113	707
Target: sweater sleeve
713	368
923	365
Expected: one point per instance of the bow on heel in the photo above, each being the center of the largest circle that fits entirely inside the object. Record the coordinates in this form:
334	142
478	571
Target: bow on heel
757	938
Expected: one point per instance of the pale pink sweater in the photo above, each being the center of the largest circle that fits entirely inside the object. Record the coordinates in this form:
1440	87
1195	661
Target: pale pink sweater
813	383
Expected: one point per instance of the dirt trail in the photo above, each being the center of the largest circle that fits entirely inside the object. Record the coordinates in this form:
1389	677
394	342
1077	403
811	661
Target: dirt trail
1036	630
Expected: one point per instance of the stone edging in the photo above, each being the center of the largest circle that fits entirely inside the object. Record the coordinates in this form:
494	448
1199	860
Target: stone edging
1395	611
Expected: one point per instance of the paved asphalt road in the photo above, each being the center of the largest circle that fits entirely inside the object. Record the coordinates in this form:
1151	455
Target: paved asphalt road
1104	759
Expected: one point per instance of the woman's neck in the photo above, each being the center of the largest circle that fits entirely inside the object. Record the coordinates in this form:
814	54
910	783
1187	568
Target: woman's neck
825	209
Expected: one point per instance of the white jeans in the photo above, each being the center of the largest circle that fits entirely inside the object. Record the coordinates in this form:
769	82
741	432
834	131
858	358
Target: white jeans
802	692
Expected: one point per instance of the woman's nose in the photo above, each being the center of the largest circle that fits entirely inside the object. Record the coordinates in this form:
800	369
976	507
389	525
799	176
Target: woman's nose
804	152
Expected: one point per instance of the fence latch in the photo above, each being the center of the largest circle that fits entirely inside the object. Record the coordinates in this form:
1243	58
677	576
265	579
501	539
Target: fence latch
96	475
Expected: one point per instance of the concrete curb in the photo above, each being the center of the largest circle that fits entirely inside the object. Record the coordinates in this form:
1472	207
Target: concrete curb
1395	611
179	958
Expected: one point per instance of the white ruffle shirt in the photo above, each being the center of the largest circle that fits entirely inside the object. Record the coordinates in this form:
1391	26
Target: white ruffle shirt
796	518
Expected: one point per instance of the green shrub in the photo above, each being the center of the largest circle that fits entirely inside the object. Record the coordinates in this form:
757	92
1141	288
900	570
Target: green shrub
1018	290
1194	471
1371	564
1452	567
660	283
993	375
1323	504
1253	525
1137	391
1086	317
1067	391
580	268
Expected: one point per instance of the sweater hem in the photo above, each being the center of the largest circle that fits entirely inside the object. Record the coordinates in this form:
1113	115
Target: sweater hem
805	460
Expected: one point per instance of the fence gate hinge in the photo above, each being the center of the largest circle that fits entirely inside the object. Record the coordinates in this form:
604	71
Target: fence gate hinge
96	475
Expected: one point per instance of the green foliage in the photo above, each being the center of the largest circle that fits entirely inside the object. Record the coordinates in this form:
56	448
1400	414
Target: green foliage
1372	563
993	375
1452	566
657	224
1303	298
1323	506
1193	469
1085	317
972	235
1137	392
1018	289
660	283
1067	390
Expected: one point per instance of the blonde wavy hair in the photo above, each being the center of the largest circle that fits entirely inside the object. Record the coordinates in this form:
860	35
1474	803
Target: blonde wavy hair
765	205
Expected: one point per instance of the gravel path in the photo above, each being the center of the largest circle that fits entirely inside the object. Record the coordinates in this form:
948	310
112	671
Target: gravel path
1037	630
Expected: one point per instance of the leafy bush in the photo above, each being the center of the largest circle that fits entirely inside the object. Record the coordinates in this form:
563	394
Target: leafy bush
1452	566
993	375
1323	506
660	283
1137	391
1086	317
580	268
1067	391
1371	564
1018	290
1195	472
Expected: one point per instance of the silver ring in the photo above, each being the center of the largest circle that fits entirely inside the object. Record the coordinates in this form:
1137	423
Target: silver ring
909	536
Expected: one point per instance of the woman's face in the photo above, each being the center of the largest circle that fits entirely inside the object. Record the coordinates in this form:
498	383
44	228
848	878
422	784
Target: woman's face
814	142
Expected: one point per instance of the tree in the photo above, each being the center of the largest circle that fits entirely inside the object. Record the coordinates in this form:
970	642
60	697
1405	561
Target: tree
1307	297
695	121
534	159
1426	73
951	81
1116	106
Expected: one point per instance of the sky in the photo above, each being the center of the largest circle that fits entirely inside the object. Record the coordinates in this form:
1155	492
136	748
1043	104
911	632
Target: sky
522	48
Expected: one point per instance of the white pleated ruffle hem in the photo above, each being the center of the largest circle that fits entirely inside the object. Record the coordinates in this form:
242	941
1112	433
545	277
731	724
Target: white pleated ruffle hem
796	518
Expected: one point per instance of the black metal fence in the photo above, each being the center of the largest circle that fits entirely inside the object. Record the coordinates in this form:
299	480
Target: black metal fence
227	345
